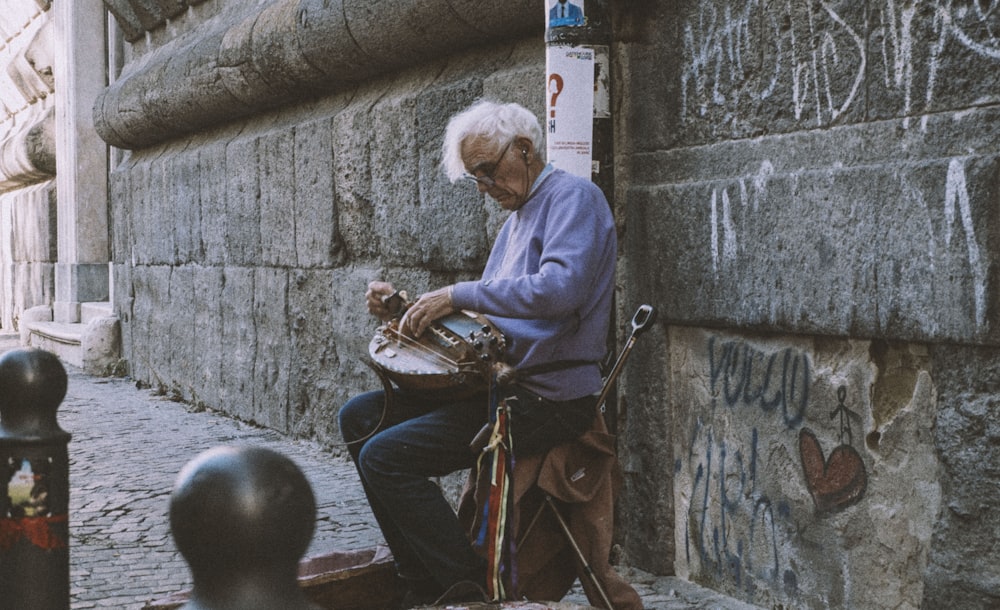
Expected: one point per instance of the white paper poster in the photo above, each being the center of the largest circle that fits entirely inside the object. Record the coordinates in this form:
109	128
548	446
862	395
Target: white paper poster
569	119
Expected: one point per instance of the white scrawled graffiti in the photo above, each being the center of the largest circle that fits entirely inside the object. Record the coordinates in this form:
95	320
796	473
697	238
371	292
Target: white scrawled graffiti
752	190
818	59
956	200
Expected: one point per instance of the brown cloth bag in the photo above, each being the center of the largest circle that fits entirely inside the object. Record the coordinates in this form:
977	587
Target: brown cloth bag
583	476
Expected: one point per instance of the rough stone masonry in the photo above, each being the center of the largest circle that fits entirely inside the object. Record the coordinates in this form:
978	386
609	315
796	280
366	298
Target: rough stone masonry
807	192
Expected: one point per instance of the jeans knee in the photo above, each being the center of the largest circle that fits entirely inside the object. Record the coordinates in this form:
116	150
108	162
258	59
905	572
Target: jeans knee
359	416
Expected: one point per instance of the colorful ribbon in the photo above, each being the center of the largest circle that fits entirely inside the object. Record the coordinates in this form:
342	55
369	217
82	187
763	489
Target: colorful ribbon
493	532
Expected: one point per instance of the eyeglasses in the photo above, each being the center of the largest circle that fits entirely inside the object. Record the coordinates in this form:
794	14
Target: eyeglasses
487	179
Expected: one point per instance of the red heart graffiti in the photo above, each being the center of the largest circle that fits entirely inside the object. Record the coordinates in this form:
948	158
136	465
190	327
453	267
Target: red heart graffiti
834	483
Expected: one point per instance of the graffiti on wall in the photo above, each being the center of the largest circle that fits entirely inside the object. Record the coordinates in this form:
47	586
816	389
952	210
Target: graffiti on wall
817	55
750	193
840	480
737	530
776	382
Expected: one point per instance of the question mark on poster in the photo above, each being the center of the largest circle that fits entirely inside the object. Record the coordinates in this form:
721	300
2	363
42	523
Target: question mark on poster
555	88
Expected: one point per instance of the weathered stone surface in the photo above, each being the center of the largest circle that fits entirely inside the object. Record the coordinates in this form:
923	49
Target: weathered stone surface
966	433
277	199
272	360
179	324
318	241
208	353
243	202
287	51
212	191
239	335
781	498
99	345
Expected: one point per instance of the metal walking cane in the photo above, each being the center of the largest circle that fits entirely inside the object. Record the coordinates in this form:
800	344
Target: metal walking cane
643	319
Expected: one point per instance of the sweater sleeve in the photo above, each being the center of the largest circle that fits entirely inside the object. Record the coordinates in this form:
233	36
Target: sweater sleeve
557	265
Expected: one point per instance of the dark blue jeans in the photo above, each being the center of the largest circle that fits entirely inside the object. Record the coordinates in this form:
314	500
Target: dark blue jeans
425	435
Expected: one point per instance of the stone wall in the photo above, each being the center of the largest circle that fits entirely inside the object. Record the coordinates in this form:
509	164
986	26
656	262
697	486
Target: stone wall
242	253
806	191
811	201
27	160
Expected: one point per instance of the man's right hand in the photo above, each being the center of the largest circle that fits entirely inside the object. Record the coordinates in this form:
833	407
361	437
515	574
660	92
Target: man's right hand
377	292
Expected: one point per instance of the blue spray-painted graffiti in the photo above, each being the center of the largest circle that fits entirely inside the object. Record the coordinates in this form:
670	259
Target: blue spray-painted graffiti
736	535
734	529
750	377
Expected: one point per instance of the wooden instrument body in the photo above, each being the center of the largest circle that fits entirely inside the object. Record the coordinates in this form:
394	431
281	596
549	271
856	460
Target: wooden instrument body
456	351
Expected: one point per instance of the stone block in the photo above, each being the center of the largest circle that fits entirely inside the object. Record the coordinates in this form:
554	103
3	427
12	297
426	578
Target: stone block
965	431
142	334
212	197
123	307
183	184
273	346
33	284
323	34
352	171
399	217
239	335
120	212
208	353
277	205
435	27
138	209
317	230
243	202
100	346
844	232
159	213
179	320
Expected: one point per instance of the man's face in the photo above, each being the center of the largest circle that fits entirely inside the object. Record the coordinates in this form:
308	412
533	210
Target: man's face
498	173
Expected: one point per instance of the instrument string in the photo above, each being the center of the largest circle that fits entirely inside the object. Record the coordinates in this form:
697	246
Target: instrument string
417	346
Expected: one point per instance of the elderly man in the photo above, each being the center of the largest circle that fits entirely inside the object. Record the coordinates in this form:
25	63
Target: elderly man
547	286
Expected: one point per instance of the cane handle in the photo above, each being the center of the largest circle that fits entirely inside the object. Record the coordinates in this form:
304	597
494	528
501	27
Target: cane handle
643	318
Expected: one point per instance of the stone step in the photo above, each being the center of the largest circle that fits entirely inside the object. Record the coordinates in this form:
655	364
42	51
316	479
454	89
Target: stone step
63	340
91	344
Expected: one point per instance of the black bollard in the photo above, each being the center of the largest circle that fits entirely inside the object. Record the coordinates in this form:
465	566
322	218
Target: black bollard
34	483
243	517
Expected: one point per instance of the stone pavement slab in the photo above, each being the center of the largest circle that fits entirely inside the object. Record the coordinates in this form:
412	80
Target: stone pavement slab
129	444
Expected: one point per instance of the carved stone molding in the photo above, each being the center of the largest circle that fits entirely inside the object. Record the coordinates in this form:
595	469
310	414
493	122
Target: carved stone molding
293	50
28	155
136	17
31	71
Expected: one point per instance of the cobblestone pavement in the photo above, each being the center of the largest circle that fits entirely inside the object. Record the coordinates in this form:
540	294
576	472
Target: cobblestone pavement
127	448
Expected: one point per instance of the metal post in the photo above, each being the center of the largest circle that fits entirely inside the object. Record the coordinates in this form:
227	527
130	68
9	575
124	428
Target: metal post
243	517
34	483
578	126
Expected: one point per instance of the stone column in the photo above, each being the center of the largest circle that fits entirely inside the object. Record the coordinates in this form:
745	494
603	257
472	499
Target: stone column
81	159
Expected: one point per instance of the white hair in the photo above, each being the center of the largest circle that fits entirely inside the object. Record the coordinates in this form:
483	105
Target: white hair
499	123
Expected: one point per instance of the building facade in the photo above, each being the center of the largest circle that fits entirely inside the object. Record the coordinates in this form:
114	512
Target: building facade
808	193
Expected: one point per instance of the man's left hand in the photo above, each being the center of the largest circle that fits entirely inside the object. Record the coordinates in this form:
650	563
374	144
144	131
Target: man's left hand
429	307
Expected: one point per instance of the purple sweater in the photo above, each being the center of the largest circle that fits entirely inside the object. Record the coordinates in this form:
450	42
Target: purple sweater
548	284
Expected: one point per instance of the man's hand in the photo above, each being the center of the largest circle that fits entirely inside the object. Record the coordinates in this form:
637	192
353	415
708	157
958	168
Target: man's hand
429	307
377	291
